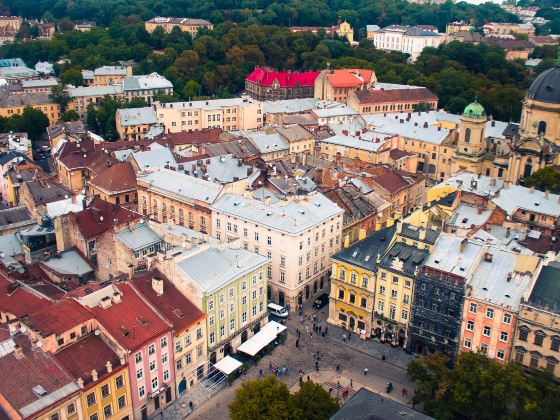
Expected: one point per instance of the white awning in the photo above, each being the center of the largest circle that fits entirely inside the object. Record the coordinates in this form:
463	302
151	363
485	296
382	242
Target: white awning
228	365
260	340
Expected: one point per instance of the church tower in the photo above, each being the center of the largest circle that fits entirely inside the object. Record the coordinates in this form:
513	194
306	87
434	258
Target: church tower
472	141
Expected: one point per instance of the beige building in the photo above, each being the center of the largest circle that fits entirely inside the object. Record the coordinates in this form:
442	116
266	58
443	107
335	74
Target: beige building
298	235
385	97
83	96
503	28
459	26
184	24
227	114
133	123
537	341
336	85
299	139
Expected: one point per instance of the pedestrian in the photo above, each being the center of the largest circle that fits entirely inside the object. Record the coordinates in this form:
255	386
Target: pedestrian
286	370
326	329
337	368
261	372
310	334
306	328
365	371
270	366
349	335
344	337
308	379
320	327
351	383
191	405
302	319
297	342
317	366
404	391
338	384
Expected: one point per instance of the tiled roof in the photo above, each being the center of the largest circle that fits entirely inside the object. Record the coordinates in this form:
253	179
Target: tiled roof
34	369
349	77
397	154
58	317
14	216
265	77
207	135
93	160
44	191
131	322
16	300
395	95
294	133
116	178
85	355
100	217
172	304
241	147
392	180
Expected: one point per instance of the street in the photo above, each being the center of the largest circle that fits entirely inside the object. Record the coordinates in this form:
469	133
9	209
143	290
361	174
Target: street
352	363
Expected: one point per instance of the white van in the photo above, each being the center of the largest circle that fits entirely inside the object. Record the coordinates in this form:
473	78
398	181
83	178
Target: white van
278	310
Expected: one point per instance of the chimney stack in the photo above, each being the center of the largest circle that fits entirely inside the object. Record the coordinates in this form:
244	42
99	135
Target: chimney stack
18	351
157	285
463	245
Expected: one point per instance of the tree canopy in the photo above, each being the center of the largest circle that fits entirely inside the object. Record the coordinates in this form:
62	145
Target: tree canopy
30	121
479	388
545	179
268	398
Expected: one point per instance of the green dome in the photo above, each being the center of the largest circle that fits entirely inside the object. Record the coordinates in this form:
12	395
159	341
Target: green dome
474	110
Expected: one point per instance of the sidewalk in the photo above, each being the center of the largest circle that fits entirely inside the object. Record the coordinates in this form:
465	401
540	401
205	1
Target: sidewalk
373	347
179	409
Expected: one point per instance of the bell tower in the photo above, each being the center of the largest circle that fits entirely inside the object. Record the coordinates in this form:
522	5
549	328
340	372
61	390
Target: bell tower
472	141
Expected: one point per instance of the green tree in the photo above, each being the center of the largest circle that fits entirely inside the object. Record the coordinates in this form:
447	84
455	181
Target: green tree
311	402
91	119
422	107
31	121
545	179
70	115
72	76
59	94
192	89
262	399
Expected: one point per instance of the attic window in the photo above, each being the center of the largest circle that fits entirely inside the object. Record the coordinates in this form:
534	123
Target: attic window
537	203
269	213
367	258
354	254
462	268
124	331
179	313
318	204
465	220
301	211
142	321
39	391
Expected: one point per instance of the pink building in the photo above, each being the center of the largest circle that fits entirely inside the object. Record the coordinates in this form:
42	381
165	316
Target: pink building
146	340
492	301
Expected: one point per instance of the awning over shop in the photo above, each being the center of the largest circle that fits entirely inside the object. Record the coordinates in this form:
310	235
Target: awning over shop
260	340
228	365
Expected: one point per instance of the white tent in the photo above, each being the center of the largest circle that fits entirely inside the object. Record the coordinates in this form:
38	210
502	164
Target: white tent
228	365
266	335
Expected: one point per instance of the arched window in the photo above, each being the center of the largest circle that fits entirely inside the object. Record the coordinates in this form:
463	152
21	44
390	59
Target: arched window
468	135
542	128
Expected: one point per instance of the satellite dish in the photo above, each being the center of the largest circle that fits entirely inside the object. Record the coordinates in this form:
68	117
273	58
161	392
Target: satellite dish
97	332
23	329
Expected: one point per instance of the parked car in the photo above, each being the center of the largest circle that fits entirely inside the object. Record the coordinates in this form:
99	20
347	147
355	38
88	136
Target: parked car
321	301
278	310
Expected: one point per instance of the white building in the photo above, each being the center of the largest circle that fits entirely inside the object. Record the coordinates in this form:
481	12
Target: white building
407	39
44	67
298	235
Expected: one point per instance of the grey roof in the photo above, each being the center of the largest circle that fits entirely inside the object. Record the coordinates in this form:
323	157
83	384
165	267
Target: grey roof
290	106
212	268
517	197
364	253
17	72
448	257
87	74
181	186
404	258
137	116
412	232
372	28
156	158
408	30
546	87
267	143
68	263
546	291
469	182
95	91
146	81
39	83
26	99
110	71
223	169
465	216
355	143
14	217
367	405
294	133
138	237
179	21
410	131
490	279
292	216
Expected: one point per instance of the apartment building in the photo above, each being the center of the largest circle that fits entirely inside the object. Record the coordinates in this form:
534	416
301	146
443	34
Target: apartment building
385	97
184	24
133	123
82	96
505	28
106	75
409	40
269	85
336	85
303	232
16	104
228	284
228	114
146	86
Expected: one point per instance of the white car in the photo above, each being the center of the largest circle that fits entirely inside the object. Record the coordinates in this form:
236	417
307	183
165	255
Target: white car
278	310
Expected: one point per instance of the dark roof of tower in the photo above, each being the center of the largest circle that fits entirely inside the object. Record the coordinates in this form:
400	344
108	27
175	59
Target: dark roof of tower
546	87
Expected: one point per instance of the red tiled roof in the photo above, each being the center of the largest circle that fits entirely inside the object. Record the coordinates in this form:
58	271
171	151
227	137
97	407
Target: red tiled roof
122	145
172	304
87	354
396	95
16	300
394	181
265	77
19	376
58	317
116	178
349	77
100	217
397	154
207	135
131	322
543	40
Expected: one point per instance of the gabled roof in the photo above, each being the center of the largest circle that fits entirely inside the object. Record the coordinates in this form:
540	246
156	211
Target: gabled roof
172	304
266	77
58	317
207	135
131	322
118	177
364	253
17	300
340	78
44	191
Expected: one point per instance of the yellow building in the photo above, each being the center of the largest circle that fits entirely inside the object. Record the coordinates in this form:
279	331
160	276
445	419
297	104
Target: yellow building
102	376
353	282
16	104
133	123
344	30
184	24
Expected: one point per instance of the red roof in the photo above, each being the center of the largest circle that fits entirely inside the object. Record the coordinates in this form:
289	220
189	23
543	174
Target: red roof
59	317
265	77
392	181
349	77
397	154
116	178
172	304
16	300
207	135
131	322
19	376
100	217
396	95
87	354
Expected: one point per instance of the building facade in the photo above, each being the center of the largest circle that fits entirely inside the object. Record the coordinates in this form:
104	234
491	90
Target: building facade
336	85
268	85
184	24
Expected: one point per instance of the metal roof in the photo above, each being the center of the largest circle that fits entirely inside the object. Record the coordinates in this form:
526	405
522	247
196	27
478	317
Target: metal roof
146	81
136	116
138	237
68	263
448	257
155	158
267	143
95	90
517	197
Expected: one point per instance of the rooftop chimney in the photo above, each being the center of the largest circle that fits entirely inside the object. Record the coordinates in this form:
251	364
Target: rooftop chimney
116	297
157	285
18	351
